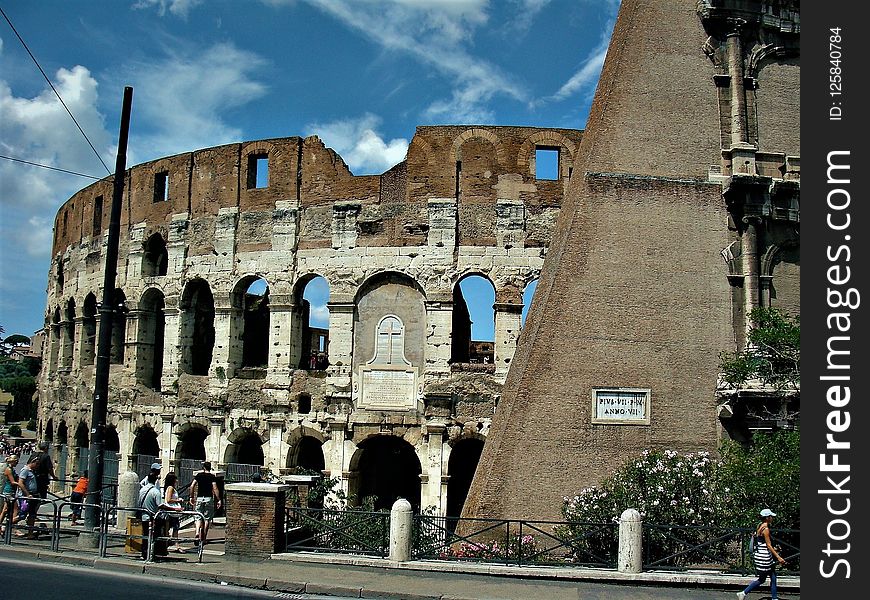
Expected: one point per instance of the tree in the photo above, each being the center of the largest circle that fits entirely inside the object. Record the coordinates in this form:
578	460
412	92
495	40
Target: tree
772	353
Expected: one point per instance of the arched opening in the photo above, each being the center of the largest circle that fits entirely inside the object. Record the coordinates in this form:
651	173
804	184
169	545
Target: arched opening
249	334
528	294
197	333
307	454
119	328
190	452
68	332
244	455
155	260
62	451
464	457
48	432
303	406
149	339
55	340
81	441
146	449
384	469
312	334
111	442
473	326
89	330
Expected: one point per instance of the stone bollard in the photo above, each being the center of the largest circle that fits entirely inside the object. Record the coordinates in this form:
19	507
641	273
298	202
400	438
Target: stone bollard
401	523
128	490
630	542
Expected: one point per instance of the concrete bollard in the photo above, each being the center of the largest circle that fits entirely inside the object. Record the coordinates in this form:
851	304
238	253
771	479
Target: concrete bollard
401	524
128	490
630	542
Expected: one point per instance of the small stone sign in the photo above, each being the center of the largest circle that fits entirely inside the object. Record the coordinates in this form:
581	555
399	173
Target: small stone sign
620	406
388	388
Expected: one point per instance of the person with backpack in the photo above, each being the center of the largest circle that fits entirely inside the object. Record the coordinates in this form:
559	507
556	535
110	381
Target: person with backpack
763	555
153	515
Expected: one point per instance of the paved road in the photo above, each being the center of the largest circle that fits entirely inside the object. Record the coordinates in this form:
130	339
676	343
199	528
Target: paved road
45	580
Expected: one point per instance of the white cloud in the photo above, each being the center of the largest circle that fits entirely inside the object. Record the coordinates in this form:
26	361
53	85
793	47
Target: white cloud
434	34
586	77
359	144
180	99
319	316
179	8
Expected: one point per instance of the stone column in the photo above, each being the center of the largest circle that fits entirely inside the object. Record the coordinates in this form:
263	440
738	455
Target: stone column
281	317
276	432
333	448
220	358
215	431
750	265
125	438
176	247
79	328
341	334
401	525
439	323
433	467
255	519
630	542
508	321
171	353
166	441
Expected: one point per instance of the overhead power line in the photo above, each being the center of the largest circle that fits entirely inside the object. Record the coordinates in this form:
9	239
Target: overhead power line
51	85
27	162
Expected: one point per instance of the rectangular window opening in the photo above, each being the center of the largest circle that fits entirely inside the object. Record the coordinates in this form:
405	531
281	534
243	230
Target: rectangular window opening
97	226
161	186
258	171
546	163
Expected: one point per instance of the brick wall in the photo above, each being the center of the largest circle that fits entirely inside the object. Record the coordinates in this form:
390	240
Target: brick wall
255	519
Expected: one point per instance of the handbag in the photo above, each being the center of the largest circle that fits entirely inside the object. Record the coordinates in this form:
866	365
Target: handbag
23	505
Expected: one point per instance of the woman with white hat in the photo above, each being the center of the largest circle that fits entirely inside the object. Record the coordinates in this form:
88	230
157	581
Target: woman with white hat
763	555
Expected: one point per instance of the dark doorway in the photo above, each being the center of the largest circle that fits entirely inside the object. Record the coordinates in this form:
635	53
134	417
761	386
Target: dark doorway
461	467
388	469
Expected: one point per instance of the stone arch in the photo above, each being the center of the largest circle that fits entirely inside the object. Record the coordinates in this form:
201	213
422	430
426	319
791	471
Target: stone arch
111	441
482	134
385	468
68	333
249	323
81	436
245	447
553	139
197	333
191	441
155	258
48	431
145	441
309	347
306	449
54	339
461	466
389	293
420	152
119	327
528	295
89	330
151	325
462	336
62	433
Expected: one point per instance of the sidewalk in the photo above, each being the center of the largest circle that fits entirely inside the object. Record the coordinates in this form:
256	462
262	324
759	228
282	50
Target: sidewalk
363	577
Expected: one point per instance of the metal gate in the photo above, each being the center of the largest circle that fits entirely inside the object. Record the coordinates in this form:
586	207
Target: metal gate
143	464
62	456
187	467
111	463
82	461
237	472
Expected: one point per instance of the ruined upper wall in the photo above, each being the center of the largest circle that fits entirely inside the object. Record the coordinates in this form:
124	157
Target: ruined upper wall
473	165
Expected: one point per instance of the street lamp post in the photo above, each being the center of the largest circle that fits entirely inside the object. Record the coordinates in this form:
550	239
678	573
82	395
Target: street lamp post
100	405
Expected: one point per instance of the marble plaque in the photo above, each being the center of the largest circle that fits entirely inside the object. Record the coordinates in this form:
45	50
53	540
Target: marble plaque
388	388
620	406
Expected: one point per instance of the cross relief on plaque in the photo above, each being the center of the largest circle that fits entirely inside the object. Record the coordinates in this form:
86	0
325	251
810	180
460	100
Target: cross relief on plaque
388	381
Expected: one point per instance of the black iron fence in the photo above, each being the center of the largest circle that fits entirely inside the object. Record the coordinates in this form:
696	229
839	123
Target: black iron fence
515	542
344	531
726	549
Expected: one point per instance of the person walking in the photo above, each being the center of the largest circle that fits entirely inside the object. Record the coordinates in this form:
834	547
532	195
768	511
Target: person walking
173	501
763	556
44	471
8	487
205	497
77	497
29	493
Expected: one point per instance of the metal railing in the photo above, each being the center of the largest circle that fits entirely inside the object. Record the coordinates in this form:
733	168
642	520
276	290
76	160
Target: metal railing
726	549
107	536
347	531
515	542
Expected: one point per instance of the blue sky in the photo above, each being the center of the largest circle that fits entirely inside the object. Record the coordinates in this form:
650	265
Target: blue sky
360	74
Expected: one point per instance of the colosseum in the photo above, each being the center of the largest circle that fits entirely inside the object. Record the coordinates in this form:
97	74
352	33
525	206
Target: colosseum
215	352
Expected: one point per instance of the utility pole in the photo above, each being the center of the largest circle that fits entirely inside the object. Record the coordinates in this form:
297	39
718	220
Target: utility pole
100	407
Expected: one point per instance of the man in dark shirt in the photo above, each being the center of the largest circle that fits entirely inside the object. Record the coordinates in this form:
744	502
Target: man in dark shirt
44	470
205	497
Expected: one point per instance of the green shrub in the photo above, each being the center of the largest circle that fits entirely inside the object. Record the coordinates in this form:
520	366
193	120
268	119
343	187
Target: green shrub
14	430
31	425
